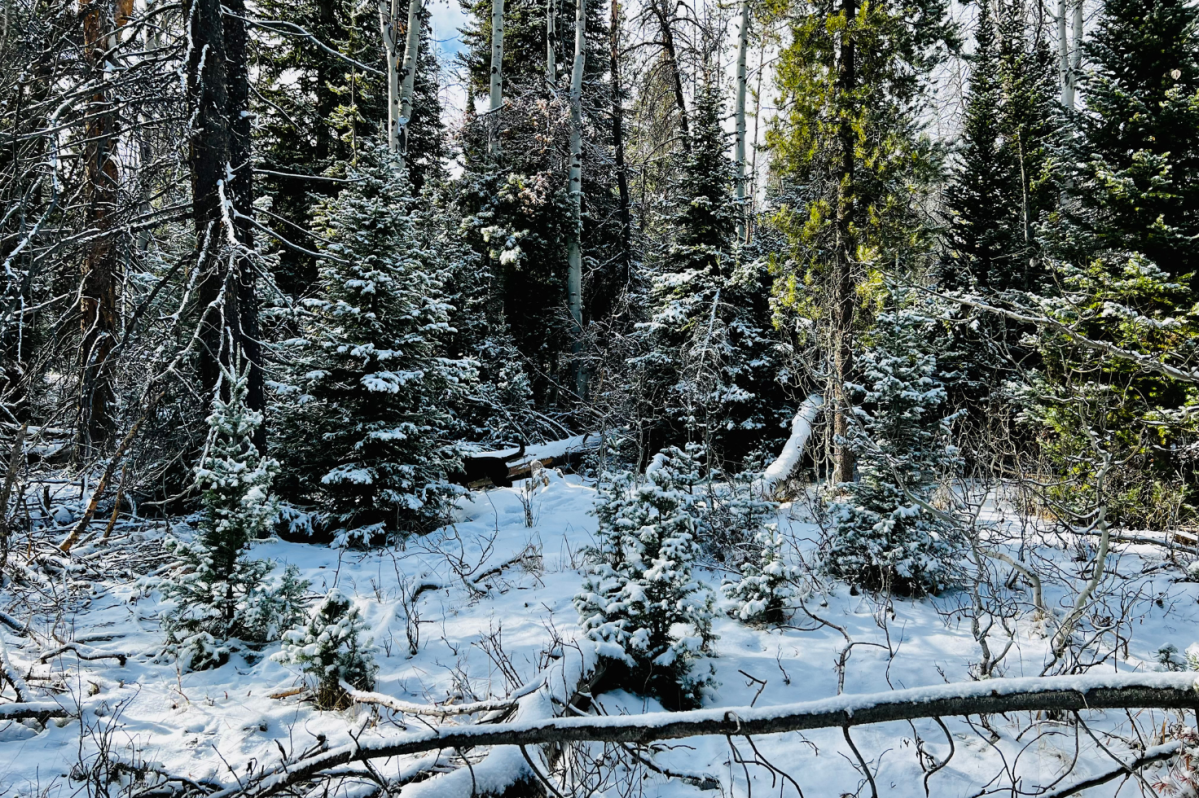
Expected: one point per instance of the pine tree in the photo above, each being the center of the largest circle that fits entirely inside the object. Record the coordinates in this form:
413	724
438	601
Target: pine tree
711	362
640	585
371	432
219	595
764	593
980	235
1125	257
882	538
330	649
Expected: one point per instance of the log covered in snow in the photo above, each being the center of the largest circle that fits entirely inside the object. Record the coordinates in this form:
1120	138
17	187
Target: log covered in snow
788	460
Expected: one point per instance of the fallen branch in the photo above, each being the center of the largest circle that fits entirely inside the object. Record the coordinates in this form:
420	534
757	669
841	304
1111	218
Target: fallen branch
793	449
1151	755
10	674
36	710
82	652
435	710
995	696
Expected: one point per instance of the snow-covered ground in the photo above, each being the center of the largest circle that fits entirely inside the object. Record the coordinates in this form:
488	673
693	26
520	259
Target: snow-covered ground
483	599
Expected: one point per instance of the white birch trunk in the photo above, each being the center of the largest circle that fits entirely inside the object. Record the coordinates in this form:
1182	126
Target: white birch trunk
497	75
387	17
1076	53
408	71
739	153
574	276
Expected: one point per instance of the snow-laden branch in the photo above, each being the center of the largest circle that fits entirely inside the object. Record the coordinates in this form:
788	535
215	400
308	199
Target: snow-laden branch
32	710
437	710
532	724
788	459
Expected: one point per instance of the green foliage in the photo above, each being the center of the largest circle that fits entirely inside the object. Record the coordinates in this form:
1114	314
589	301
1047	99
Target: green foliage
218	594
330	650
370	435
710	361
1125	261
766	589
640	591
882	537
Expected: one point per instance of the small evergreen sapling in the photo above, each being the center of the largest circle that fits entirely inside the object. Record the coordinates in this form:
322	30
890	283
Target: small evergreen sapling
881	536
219	594
766	589
330	650
640	603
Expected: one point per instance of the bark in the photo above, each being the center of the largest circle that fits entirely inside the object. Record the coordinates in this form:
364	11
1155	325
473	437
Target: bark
408	69
208	157
387	18
497	77
990	697
99	319
844	283
551	58
739	144
662	12
574	253
1063	50
622	172
242	194
40	711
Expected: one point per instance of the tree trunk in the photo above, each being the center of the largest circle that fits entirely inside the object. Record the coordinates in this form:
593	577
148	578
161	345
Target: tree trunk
1063	51
622	172
739	154
497	77
844	250
242	196
387	20
662	12
408	70
99	319
208	158
551	58
574	277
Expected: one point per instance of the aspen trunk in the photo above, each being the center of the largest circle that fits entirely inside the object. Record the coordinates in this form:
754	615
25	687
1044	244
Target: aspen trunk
574	278
387	19
739	154
408	70
1063	52
497	77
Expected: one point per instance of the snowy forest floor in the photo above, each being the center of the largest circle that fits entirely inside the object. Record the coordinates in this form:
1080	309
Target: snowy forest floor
482	600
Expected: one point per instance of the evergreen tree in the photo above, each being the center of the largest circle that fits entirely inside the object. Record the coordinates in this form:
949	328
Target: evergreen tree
220	595
1126	259
709	372
640	587
330	650
979	198
882	538
371	433
764	593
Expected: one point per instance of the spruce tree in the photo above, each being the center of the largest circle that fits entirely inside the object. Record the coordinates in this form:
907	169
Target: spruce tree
881	536
331	650
219	595
371	434
710	362
978	199
640	589
1126	259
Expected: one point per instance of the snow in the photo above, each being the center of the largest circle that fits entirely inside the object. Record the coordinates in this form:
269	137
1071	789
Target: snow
492	596
792	454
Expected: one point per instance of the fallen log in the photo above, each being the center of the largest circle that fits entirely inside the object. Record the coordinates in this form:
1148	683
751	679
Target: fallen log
435	710
36	710
995	696
83	652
